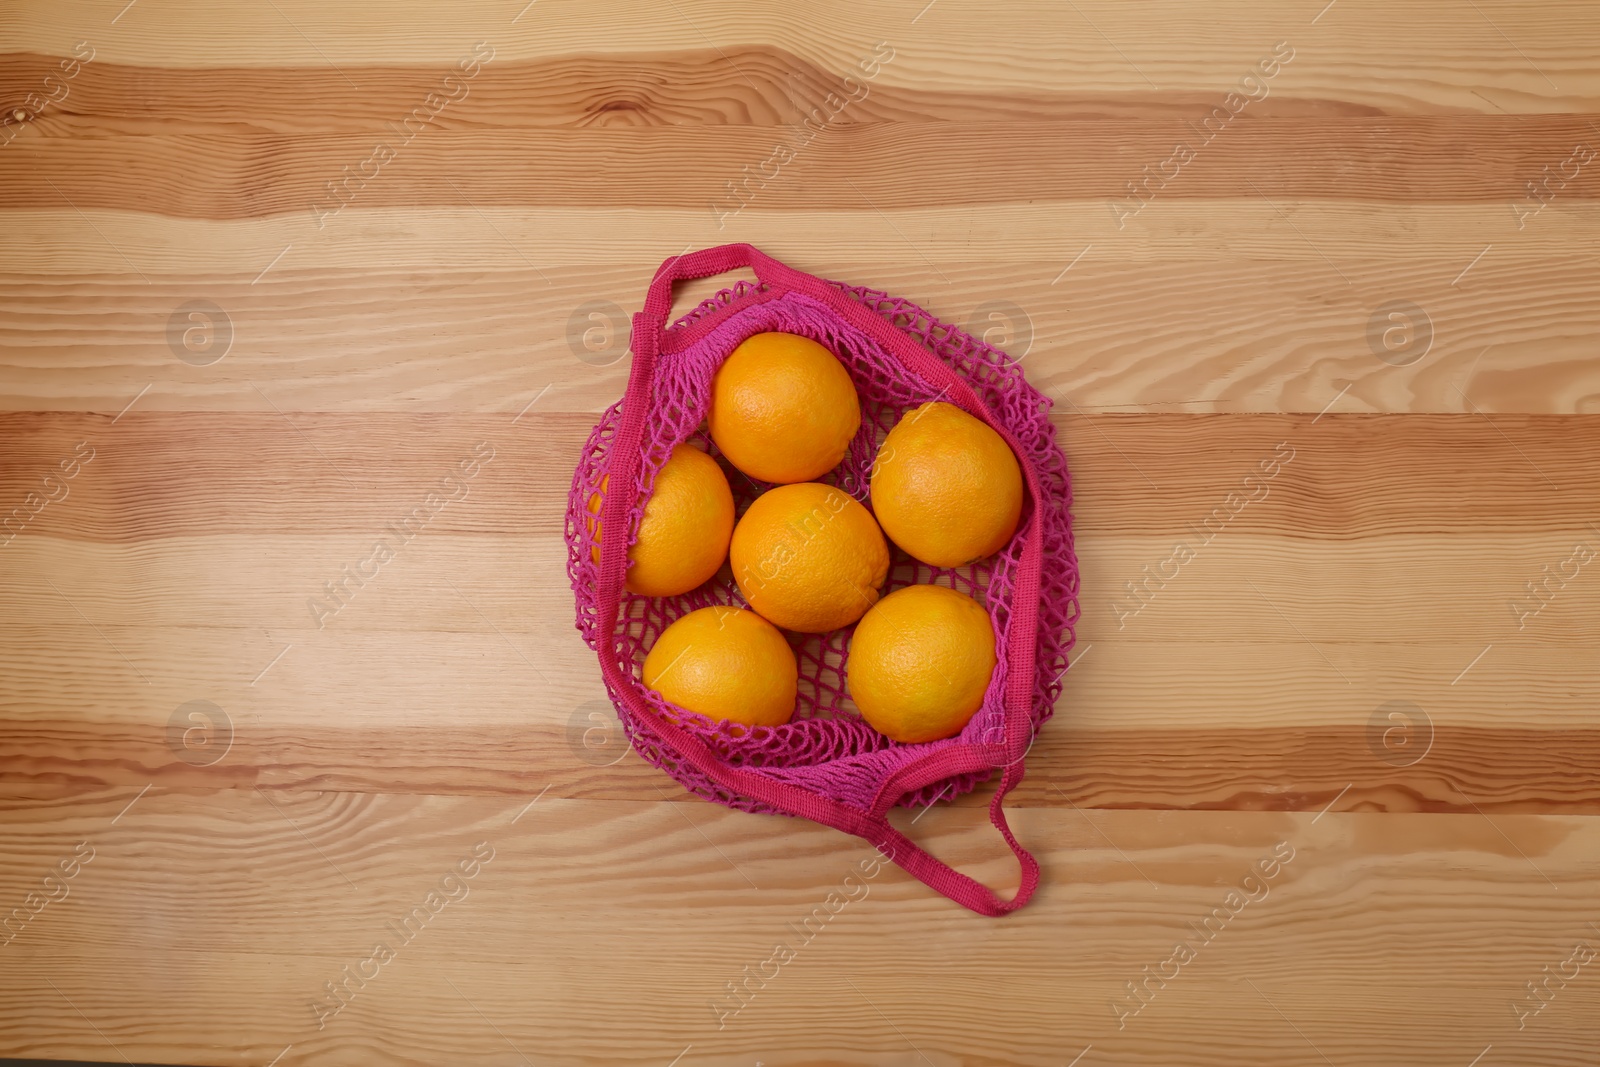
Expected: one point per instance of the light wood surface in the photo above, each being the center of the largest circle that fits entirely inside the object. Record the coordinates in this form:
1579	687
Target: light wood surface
1352	671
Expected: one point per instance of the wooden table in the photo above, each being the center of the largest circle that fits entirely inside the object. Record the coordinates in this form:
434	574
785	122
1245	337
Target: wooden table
272	271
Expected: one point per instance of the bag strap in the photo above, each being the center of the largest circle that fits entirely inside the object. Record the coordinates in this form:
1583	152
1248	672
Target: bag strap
702	264
961	888
649	325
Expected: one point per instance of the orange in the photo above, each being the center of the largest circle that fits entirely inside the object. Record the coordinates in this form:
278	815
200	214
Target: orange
683	536
920	662
809	557
946	487
725	663
783	408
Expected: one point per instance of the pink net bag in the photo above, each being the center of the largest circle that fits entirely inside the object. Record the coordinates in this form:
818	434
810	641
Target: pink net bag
826	764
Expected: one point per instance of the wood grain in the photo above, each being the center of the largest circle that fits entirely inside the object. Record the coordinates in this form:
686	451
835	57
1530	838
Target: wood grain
1382	662
1426	898
510	140
1261	324
1342	477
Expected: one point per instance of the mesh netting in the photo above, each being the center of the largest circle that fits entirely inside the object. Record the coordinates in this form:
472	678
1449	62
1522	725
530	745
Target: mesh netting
826	747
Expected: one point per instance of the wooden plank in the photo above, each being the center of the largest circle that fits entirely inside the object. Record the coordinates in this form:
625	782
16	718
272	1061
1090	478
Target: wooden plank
1096	160
1441	904
1097	47
457	311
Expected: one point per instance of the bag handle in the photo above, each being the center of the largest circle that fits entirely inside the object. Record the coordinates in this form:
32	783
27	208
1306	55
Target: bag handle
648	327
934	872
703	263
